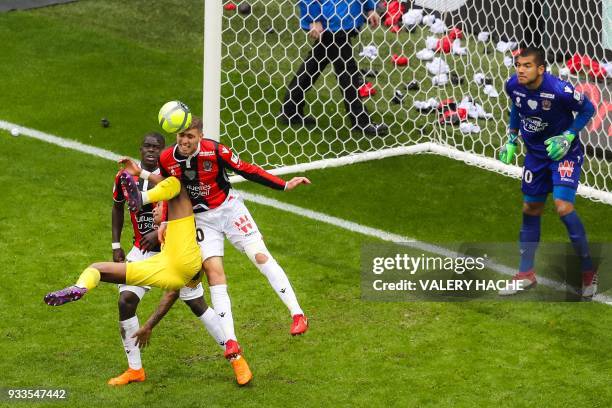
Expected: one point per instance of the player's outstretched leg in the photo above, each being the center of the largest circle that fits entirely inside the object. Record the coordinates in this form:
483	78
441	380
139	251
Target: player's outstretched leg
163	191
130	191
88	280
112	272
267	265
69	294
179	211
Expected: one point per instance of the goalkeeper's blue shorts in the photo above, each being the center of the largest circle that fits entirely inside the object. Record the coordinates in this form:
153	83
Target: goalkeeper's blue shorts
541	175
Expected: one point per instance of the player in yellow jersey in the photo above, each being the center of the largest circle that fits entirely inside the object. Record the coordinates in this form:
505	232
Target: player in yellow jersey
178	262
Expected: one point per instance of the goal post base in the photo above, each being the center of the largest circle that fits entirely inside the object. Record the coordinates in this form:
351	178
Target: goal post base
471	159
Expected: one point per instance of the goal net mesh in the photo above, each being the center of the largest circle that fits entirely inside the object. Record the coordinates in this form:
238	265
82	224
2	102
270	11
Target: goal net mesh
449	92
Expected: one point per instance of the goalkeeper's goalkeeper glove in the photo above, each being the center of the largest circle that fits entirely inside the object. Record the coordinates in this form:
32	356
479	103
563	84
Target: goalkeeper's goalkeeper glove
558	146
507	152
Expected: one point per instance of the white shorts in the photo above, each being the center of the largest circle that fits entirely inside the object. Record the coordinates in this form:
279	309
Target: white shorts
231	220
191	293
136	254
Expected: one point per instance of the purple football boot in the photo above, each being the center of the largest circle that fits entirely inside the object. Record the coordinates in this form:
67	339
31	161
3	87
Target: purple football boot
69	294
130	191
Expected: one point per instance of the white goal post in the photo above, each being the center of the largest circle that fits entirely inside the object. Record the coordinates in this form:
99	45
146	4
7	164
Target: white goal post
213	20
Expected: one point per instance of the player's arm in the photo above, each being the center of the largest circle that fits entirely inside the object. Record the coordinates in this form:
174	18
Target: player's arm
117	223
558	146
160	216
143	335
149	241
585	110
117	227
134	169
255	173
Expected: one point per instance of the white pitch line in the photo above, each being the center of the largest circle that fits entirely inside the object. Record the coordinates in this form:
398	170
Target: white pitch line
398	239
56	140
303	212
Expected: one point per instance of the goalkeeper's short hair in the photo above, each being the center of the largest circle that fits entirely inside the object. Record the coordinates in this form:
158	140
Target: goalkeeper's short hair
538	53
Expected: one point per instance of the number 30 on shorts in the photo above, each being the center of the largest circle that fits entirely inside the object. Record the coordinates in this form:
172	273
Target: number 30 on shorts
199	235
527	176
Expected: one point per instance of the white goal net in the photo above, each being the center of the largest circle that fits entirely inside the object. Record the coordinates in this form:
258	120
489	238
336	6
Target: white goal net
446	96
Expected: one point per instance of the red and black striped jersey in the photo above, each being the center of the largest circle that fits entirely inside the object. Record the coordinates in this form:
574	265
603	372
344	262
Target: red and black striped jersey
142	221
204	173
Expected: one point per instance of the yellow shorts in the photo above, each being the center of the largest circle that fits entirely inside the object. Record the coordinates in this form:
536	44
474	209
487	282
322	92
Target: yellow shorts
177	263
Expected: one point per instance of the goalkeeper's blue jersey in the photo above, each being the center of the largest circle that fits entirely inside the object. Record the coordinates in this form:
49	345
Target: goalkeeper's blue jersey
545	112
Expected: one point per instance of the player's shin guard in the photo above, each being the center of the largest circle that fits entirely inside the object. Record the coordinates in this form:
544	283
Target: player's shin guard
257	252
163	191
132	352
89	279
280	283
212	322
577	235
223	307
529	238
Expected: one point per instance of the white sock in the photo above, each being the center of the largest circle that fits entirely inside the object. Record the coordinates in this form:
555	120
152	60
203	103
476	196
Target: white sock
132	352
212	322
280	283
223	307
145	198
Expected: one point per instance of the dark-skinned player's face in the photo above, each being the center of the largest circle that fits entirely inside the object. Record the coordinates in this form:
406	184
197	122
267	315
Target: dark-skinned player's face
528	71
150	150
188	140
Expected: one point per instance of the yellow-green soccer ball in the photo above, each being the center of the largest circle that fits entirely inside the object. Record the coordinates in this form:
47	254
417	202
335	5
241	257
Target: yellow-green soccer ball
174	117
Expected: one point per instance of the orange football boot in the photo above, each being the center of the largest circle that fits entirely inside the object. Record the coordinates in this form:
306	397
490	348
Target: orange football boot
241	370
129	376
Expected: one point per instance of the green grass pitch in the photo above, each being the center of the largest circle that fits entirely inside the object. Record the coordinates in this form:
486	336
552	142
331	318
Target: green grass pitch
63	68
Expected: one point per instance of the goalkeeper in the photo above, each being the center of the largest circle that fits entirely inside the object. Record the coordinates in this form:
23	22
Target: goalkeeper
542	111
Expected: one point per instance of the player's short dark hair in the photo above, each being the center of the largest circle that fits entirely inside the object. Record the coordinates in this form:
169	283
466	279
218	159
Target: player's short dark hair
196	123
160	139
538	54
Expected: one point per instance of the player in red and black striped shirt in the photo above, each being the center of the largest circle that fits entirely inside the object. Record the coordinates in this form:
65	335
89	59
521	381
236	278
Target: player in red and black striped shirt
145	234
202	166
146	245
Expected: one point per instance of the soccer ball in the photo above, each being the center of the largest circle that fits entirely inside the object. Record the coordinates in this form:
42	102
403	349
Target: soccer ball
174	117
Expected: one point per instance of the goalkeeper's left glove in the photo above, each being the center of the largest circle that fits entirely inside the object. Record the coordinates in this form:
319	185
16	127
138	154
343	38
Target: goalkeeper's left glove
558	146
507	152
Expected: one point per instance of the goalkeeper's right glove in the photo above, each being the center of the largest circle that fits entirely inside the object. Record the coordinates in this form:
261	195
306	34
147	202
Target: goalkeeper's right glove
507	152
